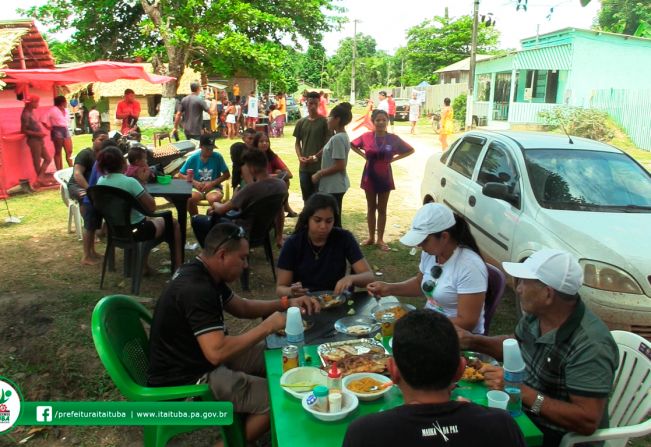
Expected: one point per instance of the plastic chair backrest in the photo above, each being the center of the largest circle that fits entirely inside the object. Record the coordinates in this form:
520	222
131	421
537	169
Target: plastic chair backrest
63	177
118	326
115	204
630	400
496	285
260	216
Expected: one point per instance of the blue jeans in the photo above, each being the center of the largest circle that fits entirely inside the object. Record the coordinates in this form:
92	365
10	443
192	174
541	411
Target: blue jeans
307	187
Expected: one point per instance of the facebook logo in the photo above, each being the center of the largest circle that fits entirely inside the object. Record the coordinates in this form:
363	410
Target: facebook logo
43	414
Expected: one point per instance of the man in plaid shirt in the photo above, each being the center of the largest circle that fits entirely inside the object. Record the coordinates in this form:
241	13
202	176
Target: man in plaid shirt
569	354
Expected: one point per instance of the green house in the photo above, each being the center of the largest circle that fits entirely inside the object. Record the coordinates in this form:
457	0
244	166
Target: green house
566	67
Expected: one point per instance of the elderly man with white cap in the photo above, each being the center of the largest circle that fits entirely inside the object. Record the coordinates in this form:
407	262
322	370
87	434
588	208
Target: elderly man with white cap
570	357
452	275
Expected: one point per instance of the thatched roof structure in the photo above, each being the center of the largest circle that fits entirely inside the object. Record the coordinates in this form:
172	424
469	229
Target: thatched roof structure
22	46
142	87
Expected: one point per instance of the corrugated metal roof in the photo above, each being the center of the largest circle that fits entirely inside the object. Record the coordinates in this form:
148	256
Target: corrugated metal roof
464	64
549	58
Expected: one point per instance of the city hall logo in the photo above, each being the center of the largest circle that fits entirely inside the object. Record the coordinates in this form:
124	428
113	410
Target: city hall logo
9	405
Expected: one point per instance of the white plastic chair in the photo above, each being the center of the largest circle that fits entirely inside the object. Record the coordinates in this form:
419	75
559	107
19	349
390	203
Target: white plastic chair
74	214
630	400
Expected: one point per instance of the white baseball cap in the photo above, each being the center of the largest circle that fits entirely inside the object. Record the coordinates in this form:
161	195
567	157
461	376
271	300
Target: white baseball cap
431	218
555	268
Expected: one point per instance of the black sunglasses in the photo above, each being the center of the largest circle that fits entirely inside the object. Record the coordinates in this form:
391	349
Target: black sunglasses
237	234
429	285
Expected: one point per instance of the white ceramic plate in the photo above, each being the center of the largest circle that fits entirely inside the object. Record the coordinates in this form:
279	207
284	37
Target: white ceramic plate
348	404
302	374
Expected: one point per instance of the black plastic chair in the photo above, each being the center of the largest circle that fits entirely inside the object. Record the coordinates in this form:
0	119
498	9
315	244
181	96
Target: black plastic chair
260	217
115	205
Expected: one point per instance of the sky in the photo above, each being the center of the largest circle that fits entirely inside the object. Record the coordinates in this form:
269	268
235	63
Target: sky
388	20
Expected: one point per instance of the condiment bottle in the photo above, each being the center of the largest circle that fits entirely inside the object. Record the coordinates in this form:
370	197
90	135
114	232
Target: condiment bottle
334	378
320	394
334	401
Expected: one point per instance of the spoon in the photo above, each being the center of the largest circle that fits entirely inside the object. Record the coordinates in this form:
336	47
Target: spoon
310	386
381	387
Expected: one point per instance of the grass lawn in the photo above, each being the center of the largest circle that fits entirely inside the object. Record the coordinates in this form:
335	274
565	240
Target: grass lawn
47	296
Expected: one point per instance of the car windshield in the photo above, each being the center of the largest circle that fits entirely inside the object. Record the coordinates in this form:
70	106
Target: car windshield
588	181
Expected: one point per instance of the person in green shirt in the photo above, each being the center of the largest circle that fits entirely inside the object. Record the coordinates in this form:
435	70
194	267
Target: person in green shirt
311	135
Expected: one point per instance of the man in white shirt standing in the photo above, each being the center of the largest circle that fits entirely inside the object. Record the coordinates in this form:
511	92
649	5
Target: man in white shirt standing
252	110
384	103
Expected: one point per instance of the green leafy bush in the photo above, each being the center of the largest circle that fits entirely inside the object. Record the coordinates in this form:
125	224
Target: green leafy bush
459	107
588	123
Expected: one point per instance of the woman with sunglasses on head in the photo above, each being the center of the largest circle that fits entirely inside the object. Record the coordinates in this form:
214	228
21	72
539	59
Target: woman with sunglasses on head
316	256
453	276
379	148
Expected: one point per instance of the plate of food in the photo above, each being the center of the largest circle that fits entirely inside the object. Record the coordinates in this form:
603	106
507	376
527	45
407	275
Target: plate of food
367	386
357	326
328	299
398	310
300	381
475	361
354	356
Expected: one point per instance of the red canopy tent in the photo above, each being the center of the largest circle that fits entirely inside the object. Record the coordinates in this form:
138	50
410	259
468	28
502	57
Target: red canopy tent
102	71
17	162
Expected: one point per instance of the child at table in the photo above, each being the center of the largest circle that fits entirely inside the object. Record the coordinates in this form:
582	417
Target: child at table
138	167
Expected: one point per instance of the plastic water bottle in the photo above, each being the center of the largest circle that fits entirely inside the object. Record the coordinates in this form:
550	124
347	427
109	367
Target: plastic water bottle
294	331
513	375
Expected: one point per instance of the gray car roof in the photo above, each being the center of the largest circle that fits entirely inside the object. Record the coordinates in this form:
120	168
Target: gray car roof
543	140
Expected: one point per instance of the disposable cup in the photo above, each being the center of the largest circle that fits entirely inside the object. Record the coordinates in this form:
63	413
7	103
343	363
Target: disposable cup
497	399
512	356
294	323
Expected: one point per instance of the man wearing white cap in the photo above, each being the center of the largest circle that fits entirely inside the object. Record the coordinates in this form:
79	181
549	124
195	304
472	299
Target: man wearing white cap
569	354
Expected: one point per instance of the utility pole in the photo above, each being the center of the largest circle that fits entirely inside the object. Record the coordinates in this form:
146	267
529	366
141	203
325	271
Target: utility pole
352	75
402	73
473	60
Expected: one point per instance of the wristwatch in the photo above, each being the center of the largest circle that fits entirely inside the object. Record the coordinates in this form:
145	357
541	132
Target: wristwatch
536	407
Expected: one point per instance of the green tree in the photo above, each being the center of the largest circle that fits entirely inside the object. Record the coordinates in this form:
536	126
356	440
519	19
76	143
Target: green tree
442	41
222	35
103	29
312	64
632	17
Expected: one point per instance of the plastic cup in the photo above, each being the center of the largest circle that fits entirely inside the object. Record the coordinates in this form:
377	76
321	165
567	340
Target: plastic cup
294	323
497	399
512	356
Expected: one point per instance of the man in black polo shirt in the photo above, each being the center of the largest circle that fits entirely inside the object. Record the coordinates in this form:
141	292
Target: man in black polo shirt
570	357
189	339
425	365
237	150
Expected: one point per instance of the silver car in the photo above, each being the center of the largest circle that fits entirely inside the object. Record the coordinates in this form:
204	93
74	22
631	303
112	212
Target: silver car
522	191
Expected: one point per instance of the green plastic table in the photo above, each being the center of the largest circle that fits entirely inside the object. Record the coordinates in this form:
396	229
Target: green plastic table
292	426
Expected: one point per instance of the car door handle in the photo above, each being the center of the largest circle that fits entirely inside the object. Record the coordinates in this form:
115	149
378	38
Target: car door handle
443	181
472	200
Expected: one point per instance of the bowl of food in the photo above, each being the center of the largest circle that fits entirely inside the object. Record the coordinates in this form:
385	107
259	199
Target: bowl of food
367	386
475	361
298	382
328	299
348	404
164	179
357	326
398	310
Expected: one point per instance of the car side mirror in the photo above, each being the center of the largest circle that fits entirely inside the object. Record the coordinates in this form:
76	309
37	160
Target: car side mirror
501	191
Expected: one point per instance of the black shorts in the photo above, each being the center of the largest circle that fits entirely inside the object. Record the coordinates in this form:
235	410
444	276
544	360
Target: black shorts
392	118
144	230
92	220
